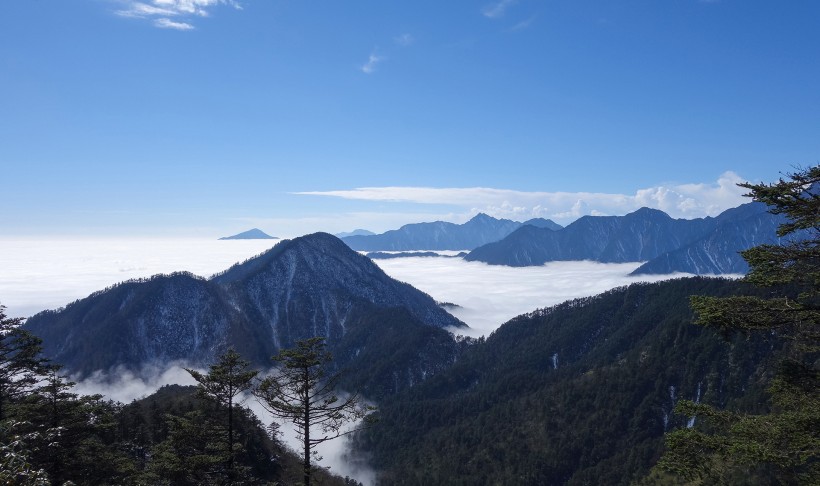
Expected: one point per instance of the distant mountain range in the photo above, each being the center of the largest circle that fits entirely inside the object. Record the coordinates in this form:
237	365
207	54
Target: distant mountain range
355	232
440	235
251	234
311	286
699	246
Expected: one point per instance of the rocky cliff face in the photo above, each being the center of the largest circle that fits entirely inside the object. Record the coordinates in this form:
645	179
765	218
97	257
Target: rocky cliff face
311	286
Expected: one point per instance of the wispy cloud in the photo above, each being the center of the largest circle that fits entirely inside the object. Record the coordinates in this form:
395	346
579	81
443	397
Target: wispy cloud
497	9
678	200
370	66
164	23
523	25
160	11
405	40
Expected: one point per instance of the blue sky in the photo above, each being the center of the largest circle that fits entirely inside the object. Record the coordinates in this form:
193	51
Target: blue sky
208	117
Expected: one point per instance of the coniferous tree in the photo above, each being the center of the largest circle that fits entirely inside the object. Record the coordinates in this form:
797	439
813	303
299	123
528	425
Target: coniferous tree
21	365
193	453
301	391
76	437
224	381
782	445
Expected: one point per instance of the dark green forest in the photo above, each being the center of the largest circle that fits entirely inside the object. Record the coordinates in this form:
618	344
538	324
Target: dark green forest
52	436
570	394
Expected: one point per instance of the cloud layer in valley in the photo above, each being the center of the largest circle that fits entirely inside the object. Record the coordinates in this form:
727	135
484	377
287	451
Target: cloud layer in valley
489	295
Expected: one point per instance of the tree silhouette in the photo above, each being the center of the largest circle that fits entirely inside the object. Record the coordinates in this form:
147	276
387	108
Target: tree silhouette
21	366
301	391
784	444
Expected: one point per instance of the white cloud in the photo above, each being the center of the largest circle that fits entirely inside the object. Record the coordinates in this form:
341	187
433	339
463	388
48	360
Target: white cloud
678	200
523	25
370	66
46	273
158	11
405	40
124	385
141	10
164	23
497	9
490	295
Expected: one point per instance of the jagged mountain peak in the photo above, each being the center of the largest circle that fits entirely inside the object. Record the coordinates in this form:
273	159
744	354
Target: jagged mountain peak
482	217
707	245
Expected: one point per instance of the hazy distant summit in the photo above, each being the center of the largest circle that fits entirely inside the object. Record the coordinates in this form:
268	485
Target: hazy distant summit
355	232
251	234
440	235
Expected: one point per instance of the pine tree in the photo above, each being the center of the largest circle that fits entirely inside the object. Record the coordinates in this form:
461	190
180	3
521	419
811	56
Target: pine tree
192	454
784	444
301	391
21	365
76	434
225	380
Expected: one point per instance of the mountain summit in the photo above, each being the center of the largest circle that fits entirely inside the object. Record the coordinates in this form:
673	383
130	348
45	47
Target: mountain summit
309	286
701	246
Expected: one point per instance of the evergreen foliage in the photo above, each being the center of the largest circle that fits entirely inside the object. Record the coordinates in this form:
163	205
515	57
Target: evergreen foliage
226	379
177	436
781	444
301	391
21	365
580	393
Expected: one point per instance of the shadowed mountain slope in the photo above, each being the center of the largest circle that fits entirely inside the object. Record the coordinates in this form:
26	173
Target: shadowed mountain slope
700	246
309	286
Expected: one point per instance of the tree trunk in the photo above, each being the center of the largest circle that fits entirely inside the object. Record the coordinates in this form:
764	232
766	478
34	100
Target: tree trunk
230	442
306	463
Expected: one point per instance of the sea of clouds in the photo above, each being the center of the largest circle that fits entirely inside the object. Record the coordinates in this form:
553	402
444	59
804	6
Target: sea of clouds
46	273
490	295
39	274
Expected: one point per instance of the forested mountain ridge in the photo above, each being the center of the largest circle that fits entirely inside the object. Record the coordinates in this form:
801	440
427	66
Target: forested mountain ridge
699	246
309	286
440	235
572	394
